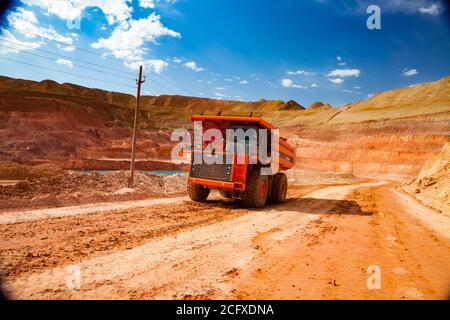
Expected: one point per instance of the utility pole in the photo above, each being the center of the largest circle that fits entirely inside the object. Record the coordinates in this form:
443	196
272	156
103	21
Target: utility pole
135	128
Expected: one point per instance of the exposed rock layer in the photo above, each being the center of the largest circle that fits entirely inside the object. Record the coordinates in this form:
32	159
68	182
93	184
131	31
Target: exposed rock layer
390	135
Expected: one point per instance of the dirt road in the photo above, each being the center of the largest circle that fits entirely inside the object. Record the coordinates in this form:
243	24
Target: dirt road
320	244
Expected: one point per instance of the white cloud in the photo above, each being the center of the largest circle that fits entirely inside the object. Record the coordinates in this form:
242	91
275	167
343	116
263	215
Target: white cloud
300	72
65	62
432	10
344	73
114	10
147	4
220	95
220	88
350	91
243	82
14	45
127	41
409	72
69	48
193	66
342	64
314	85
338	58
337	80
228	80
177	60
397	6
26	23
288	83
155	65
370	95
256	76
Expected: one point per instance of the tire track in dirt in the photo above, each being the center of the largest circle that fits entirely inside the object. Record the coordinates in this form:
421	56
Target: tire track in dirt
33	245
330	258
29	215
197	263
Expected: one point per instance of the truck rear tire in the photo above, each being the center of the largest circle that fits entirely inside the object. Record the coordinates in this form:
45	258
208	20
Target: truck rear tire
279	188
256	190
197	192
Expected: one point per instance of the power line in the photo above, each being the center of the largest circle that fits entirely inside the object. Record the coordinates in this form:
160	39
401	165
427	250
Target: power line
67	57
174	84
87	68
68	45
153	87
51	59
170	83
97	54
161	86
74	59
65	72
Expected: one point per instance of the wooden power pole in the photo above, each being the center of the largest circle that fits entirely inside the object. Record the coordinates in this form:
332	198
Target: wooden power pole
135	128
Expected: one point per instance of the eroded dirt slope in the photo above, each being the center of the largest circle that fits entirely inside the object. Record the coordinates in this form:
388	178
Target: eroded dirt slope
432	185
67	188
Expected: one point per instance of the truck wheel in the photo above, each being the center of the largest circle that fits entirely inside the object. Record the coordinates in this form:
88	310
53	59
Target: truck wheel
197	192
279	188
256	190
226	194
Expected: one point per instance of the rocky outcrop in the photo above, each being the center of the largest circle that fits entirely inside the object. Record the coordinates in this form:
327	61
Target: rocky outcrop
432	185
319	106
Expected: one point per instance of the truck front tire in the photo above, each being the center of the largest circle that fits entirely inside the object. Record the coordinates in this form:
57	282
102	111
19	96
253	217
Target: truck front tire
279	188
197	192
256	190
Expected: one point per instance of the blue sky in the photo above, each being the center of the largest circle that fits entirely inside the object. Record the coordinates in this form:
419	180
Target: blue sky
311	50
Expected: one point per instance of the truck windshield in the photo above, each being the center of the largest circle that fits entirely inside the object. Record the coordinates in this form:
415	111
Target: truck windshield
242	139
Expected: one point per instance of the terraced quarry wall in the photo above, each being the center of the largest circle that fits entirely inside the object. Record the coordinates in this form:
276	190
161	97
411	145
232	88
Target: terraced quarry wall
389	149
388	136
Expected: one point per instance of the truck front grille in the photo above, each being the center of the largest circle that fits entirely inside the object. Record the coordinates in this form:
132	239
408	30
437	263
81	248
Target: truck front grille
221	172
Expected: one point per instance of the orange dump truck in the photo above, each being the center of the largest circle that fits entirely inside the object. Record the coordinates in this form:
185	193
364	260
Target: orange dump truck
245	179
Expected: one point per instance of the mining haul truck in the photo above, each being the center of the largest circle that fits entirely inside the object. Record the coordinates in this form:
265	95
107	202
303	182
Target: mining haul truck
241	179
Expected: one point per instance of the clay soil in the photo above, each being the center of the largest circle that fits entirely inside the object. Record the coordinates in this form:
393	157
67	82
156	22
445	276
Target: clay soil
320	244
68	188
